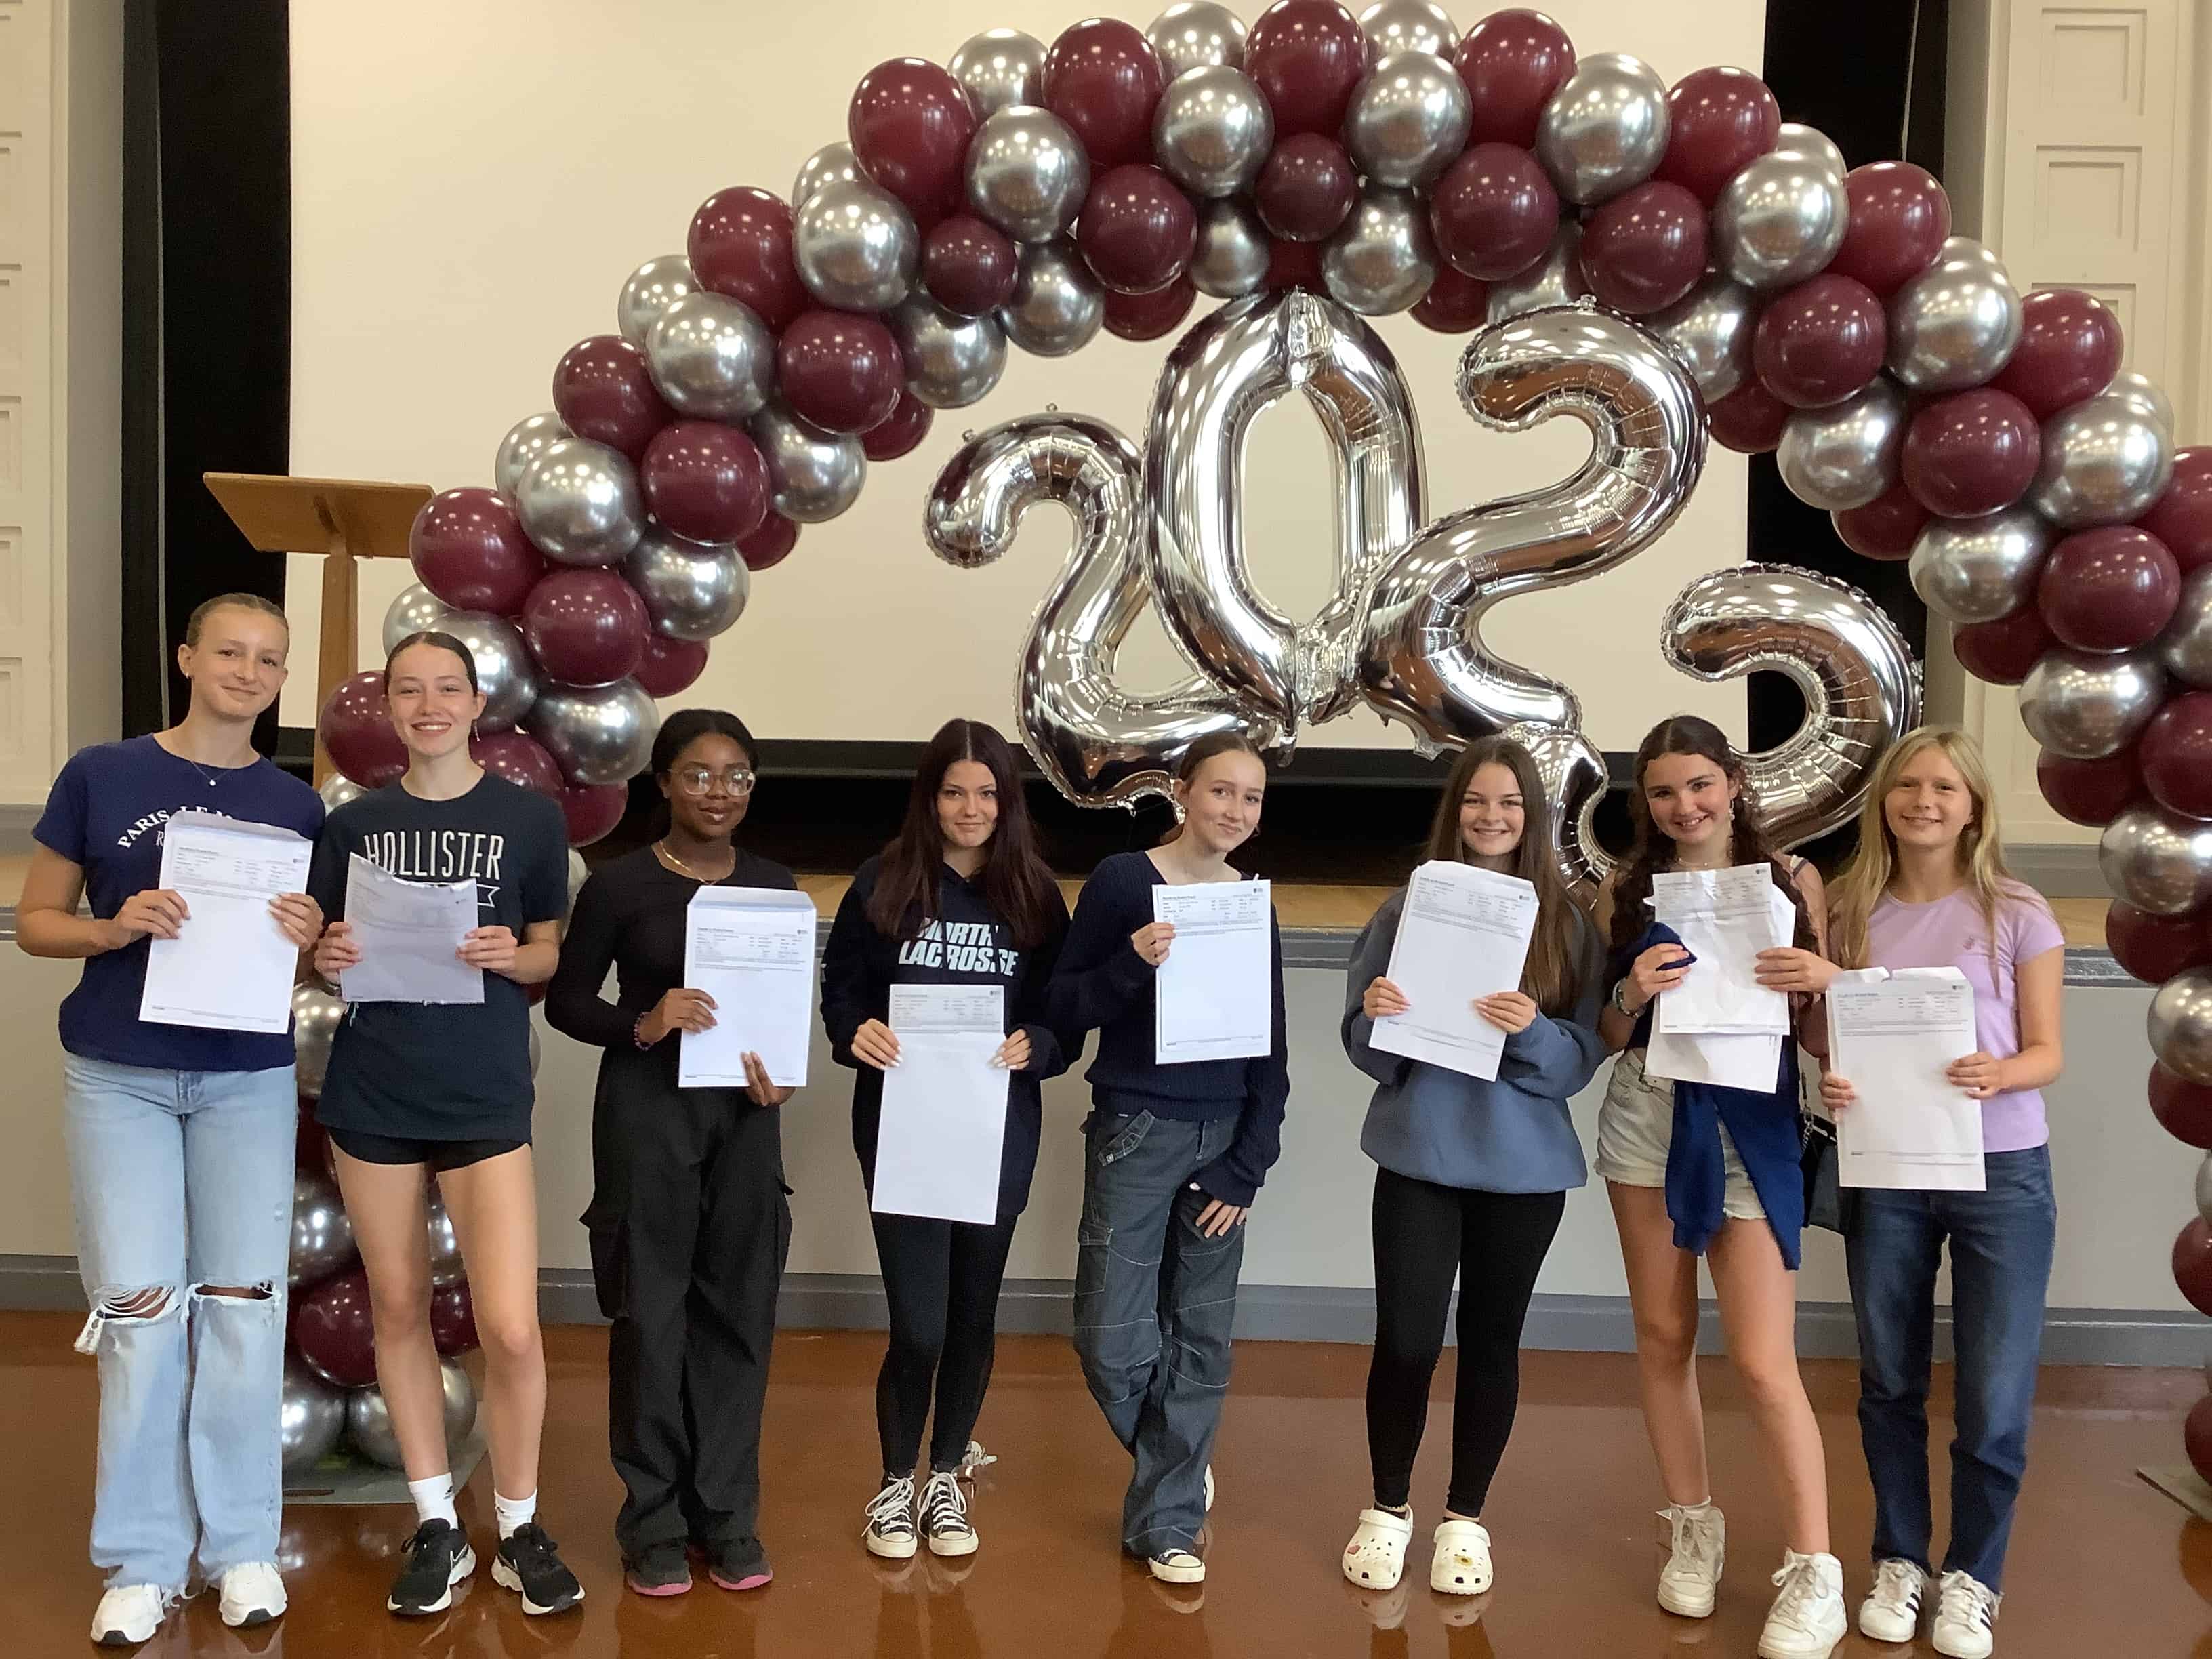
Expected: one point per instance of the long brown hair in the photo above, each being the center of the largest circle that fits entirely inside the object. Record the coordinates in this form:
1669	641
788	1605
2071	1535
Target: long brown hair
1653	851
1018	885
1553	977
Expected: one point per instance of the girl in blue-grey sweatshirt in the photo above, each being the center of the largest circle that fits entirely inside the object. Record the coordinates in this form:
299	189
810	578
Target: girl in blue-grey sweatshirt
1471	1177
1173	1156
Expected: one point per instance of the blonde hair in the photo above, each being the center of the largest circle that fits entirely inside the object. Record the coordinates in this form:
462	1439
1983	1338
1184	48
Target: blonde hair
1858	887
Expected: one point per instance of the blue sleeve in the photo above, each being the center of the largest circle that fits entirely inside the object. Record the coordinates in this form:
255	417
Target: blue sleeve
61	827
1235	1176
1556	1058
848	1000
1052	1051
1370	956
1099	973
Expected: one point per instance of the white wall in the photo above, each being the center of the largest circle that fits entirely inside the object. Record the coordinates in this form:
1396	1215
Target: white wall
471	184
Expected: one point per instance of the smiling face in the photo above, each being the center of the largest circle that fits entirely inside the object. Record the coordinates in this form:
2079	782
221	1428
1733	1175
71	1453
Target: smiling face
433	704
1691	801
1492	816
238	667
1221	801
967	806
708	786
1929	805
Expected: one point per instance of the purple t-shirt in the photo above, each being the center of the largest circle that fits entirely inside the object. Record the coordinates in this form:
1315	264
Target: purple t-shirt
1949	933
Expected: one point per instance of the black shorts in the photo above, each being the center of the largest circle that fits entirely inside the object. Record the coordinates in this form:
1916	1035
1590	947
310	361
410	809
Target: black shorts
439	1155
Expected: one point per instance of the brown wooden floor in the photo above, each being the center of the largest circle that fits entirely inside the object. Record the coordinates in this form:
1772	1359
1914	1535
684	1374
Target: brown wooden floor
2101	1566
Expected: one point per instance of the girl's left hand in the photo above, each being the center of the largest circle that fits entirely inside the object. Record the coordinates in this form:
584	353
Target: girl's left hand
1511	1011
299	918
763	1092
1977	1075
1217	1218
1785	968
491	949
1013	1054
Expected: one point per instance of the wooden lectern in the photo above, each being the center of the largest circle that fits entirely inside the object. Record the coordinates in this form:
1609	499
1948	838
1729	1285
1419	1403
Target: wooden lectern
343	520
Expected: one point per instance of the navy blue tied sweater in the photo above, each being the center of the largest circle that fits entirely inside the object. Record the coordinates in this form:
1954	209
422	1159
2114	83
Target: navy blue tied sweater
1103	985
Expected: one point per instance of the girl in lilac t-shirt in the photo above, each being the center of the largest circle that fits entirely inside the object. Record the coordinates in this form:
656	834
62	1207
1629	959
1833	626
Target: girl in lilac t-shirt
1928	888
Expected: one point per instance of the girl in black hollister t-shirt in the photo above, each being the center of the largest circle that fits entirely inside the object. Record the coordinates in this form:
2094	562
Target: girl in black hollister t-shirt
417	1091
960	897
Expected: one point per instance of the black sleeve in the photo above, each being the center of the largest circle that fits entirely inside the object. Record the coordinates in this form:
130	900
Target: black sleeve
326	871
574	1006
1235	1176
1099	972
848	998
1052	1051
545	878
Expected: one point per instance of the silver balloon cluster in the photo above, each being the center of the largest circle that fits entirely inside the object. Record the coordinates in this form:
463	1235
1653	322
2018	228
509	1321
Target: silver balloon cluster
368	1420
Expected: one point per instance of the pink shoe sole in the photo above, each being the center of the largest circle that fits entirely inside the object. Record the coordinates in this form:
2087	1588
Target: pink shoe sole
637	1589
752	1581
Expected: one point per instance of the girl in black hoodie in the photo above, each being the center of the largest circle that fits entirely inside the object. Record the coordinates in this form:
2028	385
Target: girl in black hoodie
959	897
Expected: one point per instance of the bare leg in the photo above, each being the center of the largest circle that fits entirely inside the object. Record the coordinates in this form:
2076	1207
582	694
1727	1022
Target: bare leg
1758	1312
494	1205
1663	1293
390	1225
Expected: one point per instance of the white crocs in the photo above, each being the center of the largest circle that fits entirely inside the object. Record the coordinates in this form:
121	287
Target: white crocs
1461	1564
1375	1557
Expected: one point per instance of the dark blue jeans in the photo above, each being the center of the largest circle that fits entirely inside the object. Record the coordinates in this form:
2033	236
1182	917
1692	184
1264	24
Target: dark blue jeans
1154	1302
2001	1243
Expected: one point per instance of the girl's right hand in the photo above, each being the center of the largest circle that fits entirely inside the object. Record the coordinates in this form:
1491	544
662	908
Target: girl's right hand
1662	968
679	1009
1150	942
1382	999
874	1044
1836	1093
337	950
157	911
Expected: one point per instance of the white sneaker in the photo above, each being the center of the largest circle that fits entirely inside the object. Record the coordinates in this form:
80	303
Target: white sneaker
943	1515
890	1531
1460	1565
1808	1619
129	1615
1177	1567
1691	1576
252	1594
1891	1612
1966	1609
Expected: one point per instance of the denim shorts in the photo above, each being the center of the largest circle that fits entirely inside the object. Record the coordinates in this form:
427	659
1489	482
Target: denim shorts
1636	1127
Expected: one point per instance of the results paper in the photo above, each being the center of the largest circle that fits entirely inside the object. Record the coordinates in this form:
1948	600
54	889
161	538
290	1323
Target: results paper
1724	918
1463	934
1214	991
943	1129
410	935
230	968
751	949
1894	1038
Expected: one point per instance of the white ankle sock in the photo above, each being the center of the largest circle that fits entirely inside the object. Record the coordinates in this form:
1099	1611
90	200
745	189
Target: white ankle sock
513	1512
434	1498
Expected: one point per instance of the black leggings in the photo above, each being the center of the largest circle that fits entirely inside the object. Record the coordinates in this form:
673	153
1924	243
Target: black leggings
941	1279
1424	1235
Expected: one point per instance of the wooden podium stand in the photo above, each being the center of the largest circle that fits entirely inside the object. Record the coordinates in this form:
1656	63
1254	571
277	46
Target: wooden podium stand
341	518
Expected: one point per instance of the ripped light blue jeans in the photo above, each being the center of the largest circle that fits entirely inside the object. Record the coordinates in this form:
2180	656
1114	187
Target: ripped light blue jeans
183	1180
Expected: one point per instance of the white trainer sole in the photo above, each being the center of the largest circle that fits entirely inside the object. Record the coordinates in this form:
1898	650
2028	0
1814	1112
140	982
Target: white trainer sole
893	1548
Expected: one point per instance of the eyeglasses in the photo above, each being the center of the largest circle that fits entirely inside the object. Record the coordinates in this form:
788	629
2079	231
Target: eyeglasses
698	781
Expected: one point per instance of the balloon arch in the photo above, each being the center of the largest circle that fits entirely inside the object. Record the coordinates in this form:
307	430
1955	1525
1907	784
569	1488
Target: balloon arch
1658	262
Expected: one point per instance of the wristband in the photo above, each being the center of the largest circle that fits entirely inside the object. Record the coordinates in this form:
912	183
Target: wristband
637	1032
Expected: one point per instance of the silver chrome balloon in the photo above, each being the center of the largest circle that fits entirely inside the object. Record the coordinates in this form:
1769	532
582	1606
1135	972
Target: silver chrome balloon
505	673
315	1016
1000	68
310	1419
447	1266
1846	454
460	1391
1809	143
1709	329
337	789
1057	306
1233	252
2105	461
2180	1024
1212	130
1099	744
1575	779
2185	648
855	247
832	164
526	441
1221	375
1780	221
322	1233
1846	658
2204	1203
1554	280
652	287
812	475
1954	325
692	590
2135	387
1975	570
580	503
598	733
711	357
1605	128
1027	173
368	1420
1381	259
414	609
1409	119
2157	860
2086	705
1197	33
950	361
1395	26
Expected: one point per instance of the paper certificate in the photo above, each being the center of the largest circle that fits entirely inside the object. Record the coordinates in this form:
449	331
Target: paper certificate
1909	1125
1724	918
751	949
1215	989
942	1128
410	934
230	968
1463	934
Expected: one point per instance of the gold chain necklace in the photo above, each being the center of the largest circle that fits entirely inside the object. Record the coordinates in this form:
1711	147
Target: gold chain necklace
678	864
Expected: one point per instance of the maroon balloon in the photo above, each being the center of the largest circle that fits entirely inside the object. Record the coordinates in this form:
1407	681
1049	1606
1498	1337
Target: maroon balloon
468	547
968	266
585	626
1816	344
356	729
1970	453
2192	1264
2091	791
2108	589
1138	230
839	371
593	810
2154	948
2182	517
907	426
1749	420
2183	1108
1886	528
2176	752
770	543
669	665
454	1319
1296	264
1721	119
910	122
334	1331
1307	188
1494	212
1455	304
1645	248
705	480
740	245
1512	63
602	391
1149	316
1102	78
1308	57
2069	349
311	1142
2003	651
519	758
1898	219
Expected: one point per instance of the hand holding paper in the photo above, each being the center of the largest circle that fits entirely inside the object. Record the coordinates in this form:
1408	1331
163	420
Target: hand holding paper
1896	1038
221	957
1212	989
751	951
406	938
1462	941
943	1126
